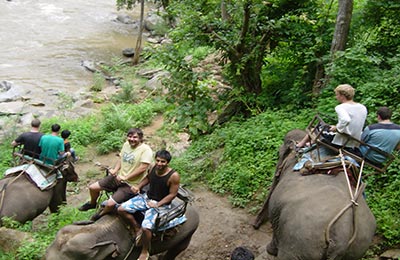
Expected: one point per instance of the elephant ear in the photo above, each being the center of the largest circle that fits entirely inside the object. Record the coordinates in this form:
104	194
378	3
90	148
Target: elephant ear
106	249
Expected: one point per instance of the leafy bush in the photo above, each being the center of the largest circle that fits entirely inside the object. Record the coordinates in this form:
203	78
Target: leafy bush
239	159
116	120
383	196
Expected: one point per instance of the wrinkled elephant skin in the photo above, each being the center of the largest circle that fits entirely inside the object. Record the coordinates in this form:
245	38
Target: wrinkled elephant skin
23	201
305	212
109	238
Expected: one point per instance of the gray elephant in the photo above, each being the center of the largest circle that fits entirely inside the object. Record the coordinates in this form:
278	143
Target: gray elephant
314	216
22	200
109	238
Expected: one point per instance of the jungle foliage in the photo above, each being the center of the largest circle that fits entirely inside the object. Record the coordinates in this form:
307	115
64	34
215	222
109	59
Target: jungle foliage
269	76
271	54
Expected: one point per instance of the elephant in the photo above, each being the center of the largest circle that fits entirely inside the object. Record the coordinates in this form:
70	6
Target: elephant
314	216
109	238
22	200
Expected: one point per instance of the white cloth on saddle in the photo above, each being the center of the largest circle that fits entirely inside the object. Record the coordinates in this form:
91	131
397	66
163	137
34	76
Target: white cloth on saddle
38	175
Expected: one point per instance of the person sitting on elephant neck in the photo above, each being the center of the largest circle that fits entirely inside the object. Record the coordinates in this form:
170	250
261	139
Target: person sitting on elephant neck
130	169
163	187
52	146
351	119
30	140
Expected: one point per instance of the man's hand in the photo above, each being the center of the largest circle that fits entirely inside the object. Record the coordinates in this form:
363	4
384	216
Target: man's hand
152	204
121	178
113	172
135	189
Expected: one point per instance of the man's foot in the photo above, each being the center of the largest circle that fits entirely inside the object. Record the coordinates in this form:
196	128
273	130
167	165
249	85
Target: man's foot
87	206
95	217
144	256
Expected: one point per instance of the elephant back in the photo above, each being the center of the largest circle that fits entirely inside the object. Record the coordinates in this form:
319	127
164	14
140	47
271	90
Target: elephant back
315	215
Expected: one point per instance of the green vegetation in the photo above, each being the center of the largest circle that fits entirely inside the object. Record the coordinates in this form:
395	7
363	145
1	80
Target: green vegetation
236	153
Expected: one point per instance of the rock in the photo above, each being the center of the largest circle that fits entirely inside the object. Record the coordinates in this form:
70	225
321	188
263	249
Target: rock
89	65
9	92
38	104
152	21
11	240
125	19
153	40
155	83
88	103
390	254
5	85
13	108
27	119
148	73
128	52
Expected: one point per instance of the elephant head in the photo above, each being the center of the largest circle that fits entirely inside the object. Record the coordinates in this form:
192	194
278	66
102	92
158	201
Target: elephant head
109	238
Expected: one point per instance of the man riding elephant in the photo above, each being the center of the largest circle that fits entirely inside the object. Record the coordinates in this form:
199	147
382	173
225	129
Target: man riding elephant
136	156
163	187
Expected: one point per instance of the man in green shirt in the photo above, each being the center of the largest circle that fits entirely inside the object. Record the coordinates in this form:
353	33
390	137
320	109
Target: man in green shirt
51	145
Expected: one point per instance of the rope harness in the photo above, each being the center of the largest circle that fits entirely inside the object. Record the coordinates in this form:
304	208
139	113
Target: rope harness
353	202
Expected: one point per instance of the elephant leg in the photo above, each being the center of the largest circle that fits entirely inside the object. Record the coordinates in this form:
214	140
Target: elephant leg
59	196
175	251
272	247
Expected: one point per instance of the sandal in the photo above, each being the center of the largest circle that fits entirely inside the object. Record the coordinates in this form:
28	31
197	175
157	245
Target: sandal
138	237
147	256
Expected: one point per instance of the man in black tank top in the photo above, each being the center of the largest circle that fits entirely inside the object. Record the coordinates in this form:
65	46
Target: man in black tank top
163	187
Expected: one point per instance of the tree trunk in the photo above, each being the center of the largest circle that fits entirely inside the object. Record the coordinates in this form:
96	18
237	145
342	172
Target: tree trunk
342	27
339	40
224	13
138	48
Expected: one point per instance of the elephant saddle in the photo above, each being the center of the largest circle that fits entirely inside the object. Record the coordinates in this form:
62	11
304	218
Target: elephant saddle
331	167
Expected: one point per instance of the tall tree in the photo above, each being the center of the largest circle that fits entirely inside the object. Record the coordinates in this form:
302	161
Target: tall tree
129	4
342	28
138	48
339	41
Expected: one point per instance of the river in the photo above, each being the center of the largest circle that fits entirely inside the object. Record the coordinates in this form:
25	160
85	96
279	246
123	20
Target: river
43	44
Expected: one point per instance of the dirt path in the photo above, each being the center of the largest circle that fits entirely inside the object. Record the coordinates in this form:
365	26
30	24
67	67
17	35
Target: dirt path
222	228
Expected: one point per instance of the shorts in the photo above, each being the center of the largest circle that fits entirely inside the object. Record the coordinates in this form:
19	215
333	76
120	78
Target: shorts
121	190
139	203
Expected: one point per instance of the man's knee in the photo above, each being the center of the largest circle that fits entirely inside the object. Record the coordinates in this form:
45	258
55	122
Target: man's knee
121	210
95	187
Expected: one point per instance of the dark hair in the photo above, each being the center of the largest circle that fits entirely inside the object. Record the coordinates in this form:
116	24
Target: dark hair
55	128
242	253
35	122
65	134
384	113
164	154
137	131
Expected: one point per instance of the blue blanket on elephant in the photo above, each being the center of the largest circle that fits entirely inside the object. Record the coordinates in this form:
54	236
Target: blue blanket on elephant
325	156
38	175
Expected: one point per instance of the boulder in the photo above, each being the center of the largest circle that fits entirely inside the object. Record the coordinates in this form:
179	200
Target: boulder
11	240
390	254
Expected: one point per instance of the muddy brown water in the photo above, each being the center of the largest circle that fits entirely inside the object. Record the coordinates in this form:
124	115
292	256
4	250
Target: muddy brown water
44	42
